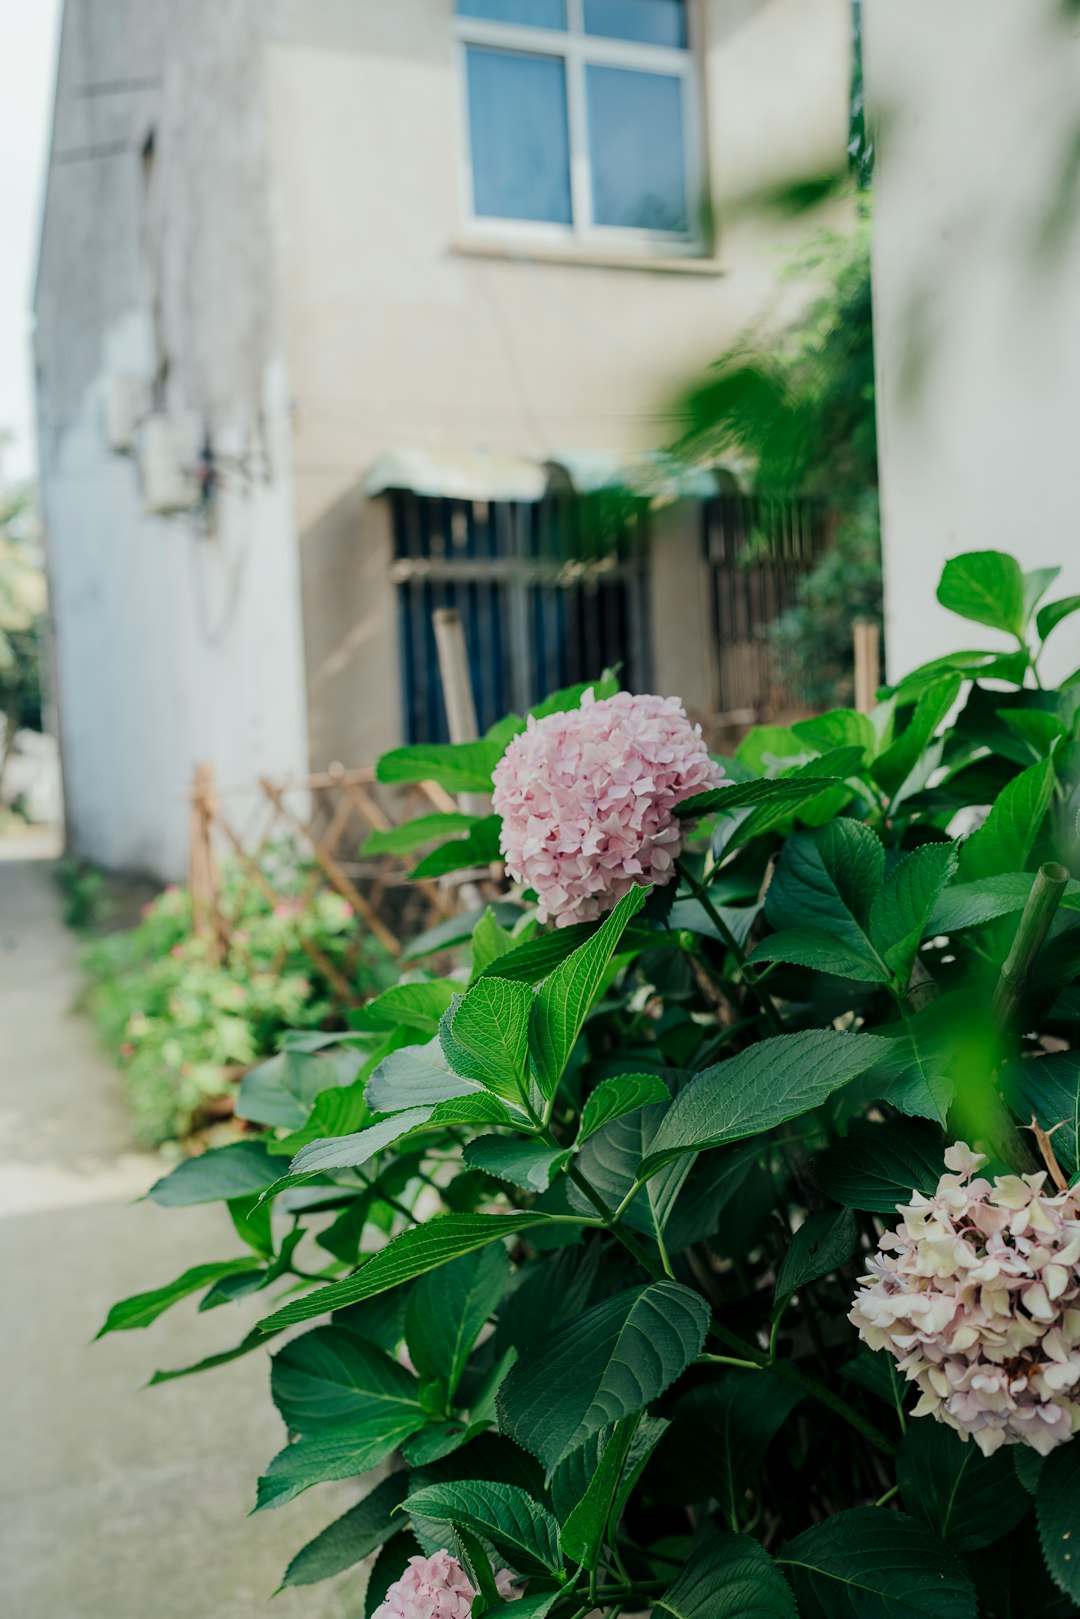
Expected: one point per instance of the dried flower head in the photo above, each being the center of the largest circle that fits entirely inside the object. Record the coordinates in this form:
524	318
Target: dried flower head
977	1295
587	800
434	1588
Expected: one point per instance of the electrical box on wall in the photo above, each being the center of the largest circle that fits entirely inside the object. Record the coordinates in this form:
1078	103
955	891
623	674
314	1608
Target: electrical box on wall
170	463
125	401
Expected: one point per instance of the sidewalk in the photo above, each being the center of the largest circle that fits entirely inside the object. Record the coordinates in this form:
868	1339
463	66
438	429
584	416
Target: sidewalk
116	1502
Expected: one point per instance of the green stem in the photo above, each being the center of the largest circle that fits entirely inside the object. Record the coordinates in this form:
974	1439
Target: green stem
759	992
1047	892
728	1360
881	1501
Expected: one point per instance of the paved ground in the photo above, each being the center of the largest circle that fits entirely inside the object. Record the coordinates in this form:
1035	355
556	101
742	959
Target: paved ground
115	1502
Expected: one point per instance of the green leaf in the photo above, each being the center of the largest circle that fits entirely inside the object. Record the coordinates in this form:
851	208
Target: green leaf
827	881
457	929
730	1577
517	1526
460	767
282	1090
243	1169
1049	1087
1013	1581
969	905
532	961
252	1224
903	906
718	1439
879	1166
409	1006
870	1564
411	1078
491	1025
893	767
1054	613
1057	1507
809	947
254	1340
1006	838
489	943
143	1308
479	848
839	728
621	1094
822	1243
1034	727
610	1162
348	1152
416	1251
780	791
765	1085
413	834
440	1439
565	999
530	1164
531	1607
583	1526
340	1112
917	1073
329	1378
986	587
447	1310
605	1364
318	1458
389	1567
966	1498
560	702
1036	583
353	1537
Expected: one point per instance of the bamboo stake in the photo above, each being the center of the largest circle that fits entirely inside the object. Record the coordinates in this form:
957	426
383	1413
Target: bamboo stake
457	692
867	664
1047	892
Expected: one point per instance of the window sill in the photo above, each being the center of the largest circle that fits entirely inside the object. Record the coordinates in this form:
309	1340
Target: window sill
589	257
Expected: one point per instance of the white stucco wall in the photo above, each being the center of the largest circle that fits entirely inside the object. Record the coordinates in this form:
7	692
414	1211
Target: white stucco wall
399	336
176	642
977	300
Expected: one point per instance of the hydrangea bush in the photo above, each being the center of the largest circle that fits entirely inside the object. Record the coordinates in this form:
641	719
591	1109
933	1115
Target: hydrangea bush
695	1230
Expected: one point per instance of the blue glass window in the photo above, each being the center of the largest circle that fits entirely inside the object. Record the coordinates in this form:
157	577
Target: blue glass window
652	22
519	136
525	13
636	145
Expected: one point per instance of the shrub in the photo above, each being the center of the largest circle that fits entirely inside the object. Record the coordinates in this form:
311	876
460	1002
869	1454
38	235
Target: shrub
651	1258
177	1021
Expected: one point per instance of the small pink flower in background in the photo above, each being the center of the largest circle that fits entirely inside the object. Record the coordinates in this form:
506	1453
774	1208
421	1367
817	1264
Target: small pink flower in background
127	1049
288	908
177	951
587	800
977	1296
434	1588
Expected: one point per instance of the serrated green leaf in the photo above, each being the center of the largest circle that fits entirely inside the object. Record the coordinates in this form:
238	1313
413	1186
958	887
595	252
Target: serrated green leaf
397	840
1009	667
455	930
1006	838
560	702
330	1378
872	1564
448	1309
530	1164
986	587
839	728
414	1252
282	1090
892	768
241	1170
517	1526
606	1364
1013	1581
409	1006
440	1439
491	1025
916	1074
822	1243
341	1452
610	1161
622	1093
809	947
964	1497
765	1085
534	960
1038	729
719	1435
827	881
565	998
354	1536
903	906
1057	1507
348	1152
582	1531
480	847
415	1078
460	767
254	1340
489	942
1049	1087
968	905
879	1166
730	1577
1054	613
780	790
143	1308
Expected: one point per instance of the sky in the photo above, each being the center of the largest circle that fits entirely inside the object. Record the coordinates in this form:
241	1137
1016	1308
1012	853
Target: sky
28	35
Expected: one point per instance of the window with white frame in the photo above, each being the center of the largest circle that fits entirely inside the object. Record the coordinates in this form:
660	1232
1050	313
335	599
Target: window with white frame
582	119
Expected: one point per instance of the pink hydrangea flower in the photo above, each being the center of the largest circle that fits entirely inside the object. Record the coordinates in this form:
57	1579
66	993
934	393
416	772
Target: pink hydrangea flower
587	800
977	1296
434	1588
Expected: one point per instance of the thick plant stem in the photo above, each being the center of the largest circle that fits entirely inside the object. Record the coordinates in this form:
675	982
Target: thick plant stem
759	992
1047	892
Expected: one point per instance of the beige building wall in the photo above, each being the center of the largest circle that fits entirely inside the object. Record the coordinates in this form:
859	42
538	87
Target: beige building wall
977	300
403	328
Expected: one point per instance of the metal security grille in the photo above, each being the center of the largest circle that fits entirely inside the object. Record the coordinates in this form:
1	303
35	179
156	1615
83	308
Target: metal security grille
550	593
758	549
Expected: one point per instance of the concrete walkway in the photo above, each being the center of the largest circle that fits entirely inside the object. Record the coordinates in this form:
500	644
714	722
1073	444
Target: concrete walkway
116	1502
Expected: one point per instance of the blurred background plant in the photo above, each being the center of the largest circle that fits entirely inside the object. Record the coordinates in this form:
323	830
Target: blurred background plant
22	617
184	1026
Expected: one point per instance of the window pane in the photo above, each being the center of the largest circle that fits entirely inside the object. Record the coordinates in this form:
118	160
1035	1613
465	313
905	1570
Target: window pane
529	13
636	147
519	136
654	22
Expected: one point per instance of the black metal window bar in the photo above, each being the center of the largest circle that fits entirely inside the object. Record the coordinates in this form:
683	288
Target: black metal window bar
550	593
758	548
